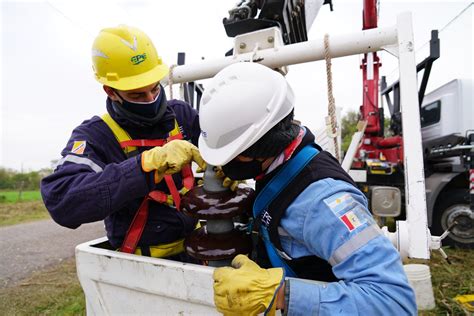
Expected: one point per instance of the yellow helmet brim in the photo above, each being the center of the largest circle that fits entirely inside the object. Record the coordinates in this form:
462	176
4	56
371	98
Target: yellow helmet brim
137	81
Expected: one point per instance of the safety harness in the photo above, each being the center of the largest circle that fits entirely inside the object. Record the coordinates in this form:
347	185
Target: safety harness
308	165
130	145
289	171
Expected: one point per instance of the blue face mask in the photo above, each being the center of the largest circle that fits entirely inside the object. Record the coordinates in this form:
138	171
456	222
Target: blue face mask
145	109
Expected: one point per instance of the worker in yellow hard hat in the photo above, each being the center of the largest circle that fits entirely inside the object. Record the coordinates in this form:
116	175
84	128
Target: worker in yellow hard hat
129	166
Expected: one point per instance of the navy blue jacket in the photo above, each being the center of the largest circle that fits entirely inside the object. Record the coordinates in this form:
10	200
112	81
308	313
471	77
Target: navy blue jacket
96	181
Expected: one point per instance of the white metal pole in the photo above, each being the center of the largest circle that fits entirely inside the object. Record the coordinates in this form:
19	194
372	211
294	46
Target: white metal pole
341	45
415	195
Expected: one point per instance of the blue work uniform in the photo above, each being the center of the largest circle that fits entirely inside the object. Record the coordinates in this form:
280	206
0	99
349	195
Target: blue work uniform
329	220
95	180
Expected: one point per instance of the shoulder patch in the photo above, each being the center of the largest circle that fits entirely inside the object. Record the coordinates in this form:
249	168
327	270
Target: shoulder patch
340	203
351	213
78	147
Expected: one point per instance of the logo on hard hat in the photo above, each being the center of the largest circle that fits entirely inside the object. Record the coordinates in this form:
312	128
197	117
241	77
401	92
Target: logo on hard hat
137	59
204	134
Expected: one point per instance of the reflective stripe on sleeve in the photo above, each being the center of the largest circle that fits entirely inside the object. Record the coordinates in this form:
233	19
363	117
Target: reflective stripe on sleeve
359	240
79	160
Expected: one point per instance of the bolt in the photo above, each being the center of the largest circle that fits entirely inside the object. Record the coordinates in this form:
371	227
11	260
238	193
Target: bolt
270	39
410	46
242	45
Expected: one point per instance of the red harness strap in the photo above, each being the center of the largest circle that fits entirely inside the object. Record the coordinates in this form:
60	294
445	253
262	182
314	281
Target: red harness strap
143	143
137	226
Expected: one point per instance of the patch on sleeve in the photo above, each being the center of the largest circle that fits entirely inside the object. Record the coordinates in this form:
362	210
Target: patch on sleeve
351	220
340	203
351	213
78	147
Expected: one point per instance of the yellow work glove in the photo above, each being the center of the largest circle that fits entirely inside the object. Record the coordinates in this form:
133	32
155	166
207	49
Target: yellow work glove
245	288
170	158
226	181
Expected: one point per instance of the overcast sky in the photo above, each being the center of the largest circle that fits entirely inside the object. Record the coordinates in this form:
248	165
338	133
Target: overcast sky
47	85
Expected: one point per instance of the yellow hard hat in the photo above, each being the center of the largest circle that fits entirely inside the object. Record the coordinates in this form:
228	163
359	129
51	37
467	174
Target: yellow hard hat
125	58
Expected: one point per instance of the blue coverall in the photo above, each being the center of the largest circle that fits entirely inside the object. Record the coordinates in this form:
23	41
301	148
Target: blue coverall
99	182
329	219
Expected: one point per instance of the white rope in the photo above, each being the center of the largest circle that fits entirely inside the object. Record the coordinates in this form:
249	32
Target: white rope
170	81
331	102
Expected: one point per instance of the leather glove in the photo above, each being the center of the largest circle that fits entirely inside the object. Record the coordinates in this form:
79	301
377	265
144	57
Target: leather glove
245	288
226	181
170	158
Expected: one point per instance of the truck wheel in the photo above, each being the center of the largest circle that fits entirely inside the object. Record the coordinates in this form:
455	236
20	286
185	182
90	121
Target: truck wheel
452	206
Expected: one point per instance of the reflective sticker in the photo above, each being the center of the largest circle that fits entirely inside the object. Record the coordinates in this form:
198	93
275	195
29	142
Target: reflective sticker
351	220
78	147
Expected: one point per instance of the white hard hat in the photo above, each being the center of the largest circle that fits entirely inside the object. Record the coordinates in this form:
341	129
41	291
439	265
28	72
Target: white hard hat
242	103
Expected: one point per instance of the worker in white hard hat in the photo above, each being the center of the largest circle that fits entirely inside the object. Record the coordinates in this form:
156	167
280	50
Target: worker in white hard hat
129	166
312	220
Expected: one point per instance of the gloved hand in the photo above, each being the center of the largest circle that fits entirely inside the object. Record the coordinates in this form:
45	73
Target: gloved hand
245	288
170	158
226	181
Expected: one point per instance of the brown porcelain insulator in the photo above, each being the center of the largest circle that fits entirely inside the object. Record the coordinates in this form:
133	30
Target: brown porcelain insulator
217	205
205	246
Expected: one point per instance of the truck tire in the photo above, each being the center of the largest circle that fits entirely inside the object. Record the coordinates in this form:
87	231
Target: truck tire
453	205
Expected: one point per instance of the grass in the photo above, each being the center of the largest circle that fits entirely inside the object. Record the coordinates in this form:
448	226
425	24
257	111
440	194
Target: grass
21	212
55	291
14	196
450	280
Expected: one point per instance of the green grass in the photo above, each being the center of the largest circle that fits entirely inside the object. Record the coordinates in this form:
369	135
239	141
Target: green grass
450	280
15	196
55	291
21	212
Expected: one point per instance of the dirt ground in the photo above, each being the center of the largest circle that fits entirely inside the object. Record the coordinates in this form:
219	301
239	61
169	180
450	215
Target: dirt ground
33	246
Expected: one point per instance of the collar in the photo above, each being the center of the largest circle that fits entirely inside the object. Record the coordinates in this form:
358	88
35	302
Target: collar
306	138
137	130
286	154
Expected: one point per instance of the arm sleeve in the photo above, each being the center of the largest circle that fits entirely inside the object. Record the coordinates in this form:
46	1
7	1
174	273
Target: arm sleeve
338	228
84	188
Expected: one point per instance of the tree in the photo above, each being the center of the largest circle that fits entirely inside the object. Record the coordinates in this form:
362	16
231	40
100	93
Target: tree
348	128
13	180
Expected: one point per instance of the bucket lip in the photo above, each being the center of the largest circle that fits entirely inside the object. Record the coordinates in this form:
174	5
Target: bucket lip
417	272
416	266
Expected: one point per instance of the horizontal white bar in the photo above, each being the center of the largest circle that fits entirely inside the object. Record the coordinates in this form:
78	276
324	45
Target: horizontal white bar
340	45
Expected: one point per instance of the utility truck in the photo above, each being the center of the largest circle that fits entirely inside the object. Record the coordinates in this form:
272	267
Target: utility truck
447	127
120	283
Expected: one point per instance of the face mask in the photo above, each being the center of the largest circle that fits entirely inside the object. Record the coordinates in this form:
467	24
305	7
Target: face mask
241	170
145	109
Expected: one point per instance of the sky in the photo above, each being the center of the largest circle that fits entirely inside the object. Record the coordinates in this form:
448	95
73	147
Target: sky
47	85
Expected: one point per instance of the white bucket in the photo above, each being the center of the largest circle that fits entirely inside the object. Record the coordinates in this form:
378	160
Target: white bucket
419	277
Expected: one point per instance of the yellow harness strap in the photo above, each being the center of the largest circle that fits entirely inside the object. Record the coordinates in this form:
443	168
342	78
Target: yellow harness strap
164	250
120	134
